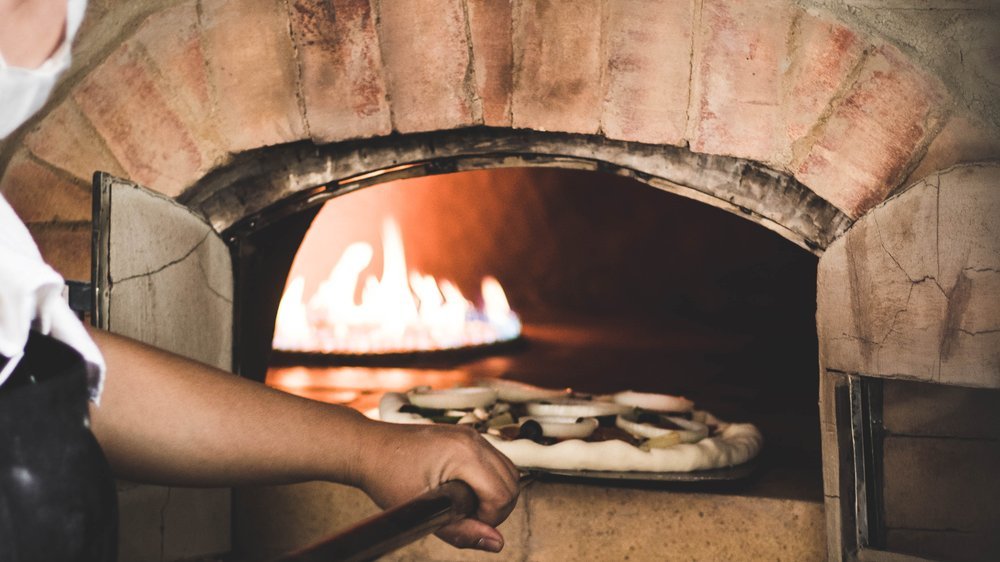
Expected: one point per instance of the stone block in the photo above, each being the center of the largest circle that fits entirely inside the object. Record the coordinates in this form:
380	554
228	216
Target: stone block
172	39
249	51
831	459
941	483
911	291
736	97
640	53
493	58
428	69
195	523
140	524
557	65
963	139
822	57
834	529
869	142
578	522
273	520
342	77
123	99
160	523
67	140
932	410
40	193
65	246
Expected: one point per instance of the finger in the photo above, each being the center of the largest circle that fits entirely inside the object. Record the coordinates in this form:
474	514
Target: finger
469	533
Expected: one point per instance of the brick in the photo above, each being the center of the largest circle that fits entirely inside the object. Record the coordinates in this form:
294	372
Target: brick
196	523
490	23
962	139
736	100
342	82
123	100
172	40
40	193
557	65
822	57
648	71
426	54
941	483
579	522
67	140
872	136
249	53
65	246
273	520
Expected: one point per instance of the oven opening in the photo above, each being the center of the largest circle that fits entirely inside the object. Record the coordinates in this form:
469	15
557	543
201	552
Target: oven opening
618	286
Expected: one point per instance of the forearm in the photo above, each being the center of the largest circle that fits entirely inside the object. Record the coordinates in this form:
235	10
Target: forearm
169	420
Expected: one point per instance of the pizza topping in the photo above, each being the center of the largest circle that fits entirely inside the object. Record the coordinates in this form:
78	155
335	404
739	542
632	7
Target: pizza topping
514	391
653	402
687	431
571	408
563	427
465	398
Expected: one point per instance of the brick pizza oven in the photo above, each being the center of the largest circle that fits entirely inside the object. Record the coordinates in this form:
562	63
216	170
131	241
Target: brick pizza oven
865	133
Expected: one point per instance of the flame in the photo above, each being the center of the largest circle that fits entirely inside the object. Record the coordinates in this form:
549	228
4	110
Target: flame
403	311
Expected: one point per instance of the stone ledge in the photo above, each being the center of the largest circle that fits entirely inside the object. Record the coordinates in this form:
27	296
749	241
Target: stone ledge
559	521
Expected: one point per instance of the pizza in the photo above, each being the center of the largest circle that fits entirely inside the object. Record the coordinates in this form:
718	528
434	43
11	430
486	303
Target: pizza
556	429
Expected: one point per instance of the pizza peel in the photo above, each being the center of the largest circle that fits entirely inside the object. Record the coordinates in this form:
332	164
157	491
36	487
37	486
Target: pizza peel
397	527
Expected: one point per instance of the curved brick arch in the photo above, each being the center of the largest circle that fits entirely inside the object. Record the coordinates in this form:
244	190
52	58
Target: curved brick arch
198	82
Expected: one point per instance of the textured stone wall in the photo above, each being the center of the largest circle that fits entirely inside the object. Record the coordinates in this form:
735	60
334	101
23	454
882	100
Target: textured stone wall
913	289
163	92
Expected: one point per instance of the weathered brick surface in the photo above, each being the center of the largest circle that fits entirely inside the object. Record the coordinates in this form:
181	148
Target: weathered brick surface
428	71
648	70
823	55
126	105
871	138
67	140
912	289
557	65
962	139
342	83
65	246
249	53
736	105
172	40
493	57
39	193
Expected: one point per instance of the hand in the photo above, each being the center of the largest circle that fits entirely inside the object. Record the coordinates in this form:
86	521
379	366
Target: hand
408	460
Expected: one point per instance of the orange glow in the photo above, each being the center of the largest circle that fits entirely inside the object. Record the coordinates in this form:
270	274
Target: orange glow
403	311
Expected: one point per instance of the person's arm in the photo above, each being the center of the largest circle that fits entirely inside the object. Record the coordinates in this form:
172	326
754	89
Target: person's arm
169	420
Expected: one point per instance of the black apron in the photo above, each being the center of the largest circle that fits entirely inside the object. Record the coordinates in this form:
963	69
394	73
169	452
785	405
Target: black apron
57	495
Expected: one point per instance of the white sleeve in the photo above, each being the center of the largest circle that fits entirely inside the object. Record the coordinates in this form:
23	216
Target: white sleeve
31	298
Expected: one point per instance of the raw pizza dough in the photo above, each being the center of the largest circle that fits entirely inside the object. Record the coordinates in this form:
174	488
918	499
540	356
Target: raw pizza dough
732	443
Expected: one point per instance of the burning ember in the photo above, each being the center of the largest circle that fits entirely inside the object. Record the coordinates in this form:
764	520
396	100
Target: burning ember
401	312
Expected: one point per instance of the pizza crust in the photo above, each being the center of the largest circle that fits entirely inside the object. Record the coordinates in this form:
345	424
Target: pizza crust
735	444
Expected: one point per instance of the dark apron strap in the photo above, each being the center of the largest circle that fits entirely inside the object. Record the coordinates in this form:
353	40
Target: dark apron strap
57	494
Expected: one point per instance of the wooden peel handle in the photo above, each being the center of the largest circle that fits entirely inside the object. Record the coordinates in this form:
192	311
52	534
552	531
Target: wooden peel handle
395	527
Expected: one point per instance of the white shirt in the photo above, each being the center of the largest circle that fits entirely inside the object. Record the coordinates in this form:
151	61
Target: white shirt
30	290
31	298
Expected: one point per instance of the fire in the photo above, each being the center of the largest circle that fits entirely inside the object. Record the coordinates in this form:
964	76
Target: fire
401	312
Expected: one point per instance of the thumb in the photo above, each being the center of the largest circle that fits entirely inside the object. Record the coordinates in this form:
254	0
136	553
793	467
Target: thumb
472	533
